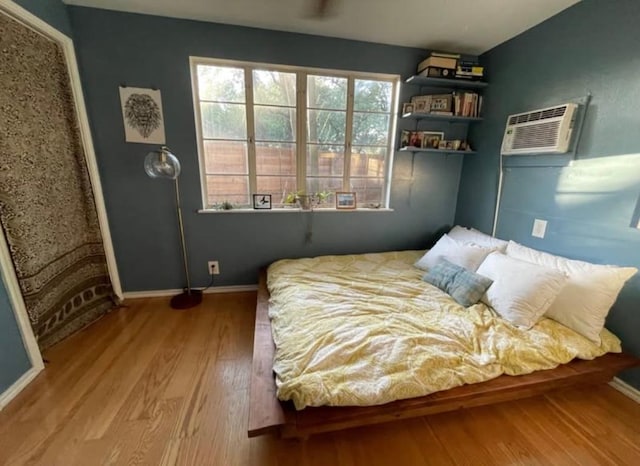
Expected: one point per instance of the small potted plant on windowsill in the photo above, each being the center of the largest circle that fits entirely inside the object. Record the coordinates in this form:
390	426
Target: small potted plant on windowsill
306	201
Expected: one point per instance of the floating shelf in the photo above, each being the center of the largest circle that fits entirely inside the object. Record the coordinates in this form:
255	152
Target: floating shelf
448	83
435	151
437	117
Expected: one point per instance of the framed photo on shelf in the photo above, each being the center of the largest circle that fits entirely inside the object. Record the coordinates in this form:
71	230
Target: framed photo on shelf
441	103
405	137
407	108
416	139
345	200
431	139
262	201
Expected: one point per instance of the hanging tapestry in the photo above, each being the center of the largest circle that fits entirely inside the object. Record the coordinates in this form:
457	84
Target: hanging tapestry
47	208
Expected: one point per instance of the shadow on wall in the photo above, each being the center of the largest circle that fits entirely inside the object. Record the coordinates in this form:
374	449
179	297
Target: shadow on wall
592	208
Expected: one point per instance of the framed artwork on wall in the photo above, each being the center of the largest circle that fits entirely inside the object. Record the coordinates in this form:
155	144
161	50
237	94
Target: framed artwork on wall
142	115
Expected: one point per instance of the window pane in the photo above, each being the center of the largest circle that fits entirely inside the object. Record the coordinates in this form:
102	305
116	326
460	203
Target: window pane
368	191
225	157
370	128
319	185
368	161
274	88
326	126
275	123
234	189
277	186
372	96
325	160
275	159
221	83
327	92
224	121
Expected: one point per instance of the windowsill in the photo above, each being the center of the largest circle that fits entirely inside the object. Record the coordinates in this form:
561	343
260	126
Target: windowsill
288	210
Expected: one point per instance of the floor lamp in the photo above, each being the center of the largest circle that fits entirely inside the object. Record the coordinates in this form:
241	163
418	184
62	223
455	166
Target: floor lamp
163	164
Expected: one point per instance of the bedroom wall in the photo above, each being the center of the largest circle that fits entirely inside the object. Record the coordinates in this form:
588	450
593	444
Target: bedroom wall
14	361
593	206
145	51
53	12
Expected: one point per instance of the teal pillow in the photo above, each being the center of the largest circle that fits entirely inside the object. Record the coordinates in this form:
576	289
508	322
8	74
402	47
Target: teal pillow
464	286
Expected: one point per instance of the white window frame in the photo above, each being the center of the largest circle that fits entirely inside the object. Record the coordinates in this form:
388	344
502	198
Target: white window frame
301	121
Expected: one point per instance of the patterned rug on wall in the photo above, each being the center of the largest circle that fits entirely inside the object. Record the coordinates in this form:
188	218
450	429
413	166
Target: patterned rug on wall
47	209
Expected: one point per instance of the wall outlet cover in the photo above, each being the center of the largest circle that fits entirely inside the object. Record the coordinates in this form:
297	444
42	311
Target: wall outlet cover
539	228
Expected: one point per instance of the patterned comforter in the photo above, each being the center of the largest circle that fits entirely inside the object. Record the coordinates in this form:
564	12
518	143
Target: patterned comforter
365	329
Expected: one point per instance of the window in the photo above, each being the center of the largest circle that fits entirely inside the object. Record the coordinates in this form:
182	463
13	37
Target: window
279	130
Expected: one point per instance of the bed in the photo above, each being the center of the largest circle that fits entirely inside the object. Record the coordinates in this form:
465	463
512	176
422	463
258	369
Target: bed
343	341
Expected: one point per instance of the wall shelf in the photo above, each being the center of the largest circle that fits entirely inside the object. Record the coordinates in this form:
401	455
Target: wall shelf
435	151
437	117
446	83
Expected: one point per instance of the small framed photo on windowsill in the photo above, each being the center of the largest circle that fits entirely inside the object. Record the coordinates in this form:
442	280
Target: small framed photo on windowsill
345	200
262	201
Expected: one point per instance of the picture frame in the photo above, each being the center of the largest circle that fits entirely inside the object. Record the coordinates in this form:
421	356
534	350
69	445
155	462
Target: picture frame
405	137
431	139
262	201
407	108
142	115
441	103
415	139
345	200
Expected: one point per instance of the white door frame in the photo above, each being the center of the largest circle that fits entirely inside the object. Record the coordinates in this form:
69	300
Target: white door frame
7	269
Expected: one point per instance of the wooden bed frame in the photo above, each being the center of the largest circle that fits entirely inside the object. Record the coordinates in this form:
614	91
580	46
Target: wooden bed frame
269	415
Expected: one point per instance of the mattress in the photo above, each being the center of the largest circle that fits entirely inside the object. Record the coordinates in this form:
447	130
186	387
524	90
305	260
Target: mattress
360	330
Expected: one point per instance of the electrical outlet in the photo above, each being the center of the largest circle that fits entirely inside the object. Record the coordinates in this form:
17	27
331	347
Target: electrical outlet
214	268
539	228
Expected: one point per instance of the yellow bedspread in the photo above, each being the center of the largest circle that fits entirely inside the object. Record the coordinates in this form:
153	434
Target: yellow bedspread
365	329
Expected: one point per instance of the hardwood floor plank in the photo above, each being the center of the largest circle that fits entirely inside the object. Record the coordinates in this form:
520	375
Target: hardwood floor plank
147	385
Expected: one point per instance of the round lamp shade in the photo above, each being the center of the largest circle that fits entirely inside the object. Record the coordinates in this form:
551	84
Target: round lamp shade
162	164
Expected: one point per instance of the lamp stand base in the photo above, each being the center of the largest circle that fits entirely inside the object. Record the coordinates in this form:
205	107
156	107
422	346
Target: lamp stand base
187	299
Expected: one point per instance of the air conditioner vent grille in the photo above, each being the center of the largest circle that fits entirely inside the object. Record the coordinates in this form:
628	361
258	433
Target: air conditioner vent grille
538	115
536	136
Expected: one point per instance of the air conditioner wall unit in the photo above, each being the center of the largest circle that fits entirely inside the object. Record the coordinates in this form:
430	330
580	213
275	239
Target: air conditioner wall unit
544	131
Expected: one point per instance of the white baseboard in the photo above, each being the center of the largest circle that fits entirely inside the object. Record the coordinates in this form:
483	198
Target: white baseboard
19	385
626	389
213	289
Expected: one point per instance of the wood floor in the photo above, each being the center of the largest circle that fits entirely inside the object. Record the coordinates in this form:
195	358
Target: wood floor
149	385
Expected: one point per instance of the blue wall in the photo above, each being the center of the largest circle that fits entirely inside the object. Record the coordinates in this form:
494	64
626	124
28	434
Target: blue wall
14	361
591	205
145	51
53	12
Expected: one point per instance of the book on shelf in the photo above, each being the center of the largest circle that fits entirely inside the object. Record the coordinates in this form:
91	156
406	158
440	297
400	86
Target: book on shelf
467	104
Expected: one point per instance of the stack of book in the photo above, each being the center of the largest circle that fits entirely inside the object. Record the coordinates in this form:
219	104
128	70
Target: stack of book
439	65
467	104
468	69
450	65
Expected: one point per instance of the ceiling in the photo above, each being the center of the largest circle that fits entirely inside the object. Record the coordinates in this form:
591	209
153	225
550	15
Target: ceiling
467	26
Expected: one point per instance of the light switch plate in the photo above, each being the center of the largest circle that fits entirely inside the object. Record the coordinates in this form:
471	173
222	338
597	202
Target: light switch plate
539	228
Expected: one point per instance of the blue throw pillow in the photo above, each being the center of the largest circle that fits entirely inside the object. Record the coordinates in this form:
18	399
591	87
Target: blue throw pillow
464	286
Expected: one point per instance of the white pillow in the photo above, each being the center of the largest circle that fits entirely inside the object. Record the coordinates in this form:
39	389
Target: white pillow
469	235
466	255
592	289
521	292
